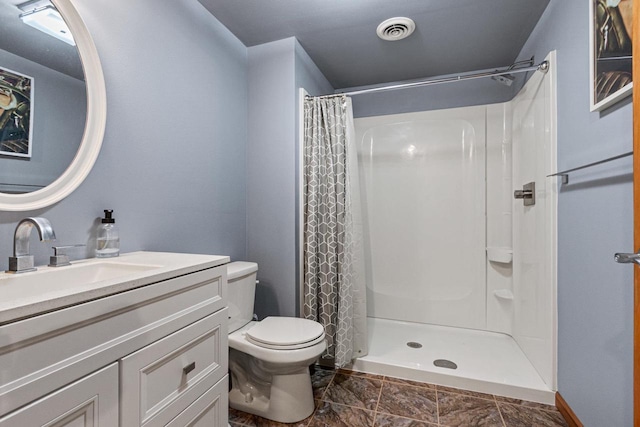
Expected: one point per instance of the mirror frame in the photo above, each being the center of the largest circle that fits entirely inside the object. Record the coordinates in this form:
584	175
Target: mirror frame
94	129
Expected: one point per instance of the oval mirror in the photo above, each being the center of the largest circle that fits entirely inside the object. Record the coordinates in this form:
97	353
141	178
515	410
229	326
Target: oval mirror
49	139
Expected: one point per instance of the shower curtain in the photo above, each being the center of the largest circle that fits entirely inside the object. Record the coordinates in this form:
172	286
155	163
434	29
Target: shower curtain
334	287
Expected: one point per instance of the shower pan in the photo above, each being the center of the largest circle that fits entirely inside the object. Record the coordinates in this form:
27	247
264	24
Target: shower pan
460	275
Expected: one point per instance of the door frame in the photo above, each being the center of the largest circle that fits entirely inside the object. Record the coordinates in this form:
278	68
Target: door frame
636	214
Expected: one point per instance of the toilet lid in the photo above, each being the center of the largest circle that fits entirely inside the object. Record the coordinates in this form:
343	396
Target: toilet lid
285	332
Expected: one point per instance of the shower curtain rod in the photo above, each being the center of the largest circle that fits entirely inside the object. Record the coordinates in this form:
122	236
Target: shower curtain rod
543	66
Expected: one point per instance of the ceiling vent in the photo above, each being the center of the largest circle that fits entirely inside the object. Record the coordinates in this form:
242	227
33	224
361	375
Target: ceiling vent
396	29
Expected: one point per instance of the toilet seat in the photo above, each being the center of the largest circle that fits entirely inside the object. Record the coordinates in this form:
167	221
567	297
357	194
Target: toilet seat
285	333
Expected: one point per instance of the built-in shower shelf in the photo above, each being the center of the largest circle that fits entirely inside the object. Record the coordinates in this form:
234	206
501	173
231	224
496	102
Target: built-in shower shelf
501	255
503	294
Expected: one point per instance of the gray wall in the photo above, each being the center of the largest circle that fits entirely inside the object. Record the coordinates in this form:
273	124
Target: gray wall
60	105
271	175
595	295
276	71
172	164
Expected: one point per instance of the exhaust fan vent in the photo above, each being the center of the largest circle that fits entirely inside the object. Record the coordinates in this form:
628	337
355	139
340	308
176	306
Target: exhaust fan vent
396	29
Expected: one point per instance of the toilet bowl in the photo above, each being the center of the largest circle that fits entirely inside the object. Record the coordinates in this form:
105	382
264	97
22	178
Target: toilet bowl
269	360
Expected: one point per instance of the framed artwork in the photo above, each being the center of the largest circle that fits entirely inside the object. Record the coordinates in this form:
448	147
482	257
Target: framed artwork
16	107
610	47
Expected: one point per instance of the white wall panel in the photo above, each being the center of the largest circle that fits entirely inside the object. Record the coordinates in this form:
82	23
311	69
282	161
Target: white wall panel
423	179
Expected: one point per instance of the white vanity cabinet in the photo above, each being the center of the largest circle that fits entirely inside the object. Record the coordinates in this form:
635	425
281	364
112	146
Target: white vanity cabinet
148	354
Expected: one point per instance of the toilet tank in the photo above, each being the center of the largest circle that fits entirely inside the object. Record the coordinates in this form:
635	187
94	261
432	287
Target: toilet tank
241	292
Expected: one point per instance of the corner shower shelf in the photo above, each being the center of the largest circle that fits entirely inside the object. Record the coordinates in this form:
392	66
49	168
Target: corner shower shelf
505	294
500	254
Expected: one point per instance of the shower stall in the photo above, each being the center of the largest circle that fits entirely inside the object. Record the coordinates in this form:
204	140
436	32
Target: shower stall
460	275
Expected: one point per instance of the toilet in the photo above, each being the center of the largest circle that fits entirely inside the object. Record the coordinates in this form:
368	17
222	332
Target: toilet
269	359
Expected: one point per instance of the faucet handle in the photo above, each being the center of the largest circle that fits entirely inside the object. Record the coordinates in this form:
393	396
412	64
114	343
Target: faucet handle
60	257
61	250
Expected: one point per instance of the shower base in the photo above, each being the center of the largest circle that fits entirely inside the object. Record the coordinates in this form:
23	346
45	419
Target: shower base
487	362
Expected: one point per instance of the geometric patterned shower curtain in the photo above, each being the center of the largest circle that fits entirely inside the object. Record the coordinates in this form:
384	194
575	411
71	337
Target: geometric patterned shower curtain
334	288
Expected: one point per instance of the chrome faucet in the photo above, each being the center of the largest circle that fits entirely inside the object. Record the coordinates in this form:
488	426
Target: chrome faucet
21	261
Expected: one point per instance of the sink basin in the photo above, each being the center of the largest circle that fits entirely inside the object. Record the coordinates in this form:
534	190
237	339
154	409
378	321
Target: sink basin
51	288
48	280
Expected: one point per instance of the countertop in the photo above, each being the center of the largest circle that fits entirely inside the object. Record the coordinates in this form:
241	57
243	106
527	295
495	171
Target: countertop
44	290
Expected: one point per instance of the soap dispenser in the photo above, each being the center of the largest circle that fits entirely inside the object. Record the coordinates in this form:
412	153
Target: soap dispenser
108	241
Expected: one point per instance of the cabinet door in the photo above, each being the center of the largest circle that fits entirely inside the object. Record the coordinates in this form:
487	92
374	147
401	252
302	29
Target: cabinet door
89	402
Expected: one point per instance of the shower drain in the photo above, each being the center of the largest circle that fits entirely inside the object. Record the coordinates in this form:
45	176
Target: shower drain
444	363
413	344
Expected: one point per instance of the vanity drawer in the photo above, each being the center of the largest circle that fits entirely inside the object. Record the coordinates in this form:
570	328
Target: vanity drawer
164	378
209	410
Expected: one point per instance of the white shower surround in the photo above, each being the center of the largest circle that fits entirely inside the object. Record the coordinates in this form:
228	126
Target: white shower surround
448	245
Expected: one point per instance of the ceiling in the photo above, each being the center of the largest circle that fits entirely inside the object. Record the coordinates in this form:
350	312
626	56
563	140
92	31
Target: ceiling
27	42
451	36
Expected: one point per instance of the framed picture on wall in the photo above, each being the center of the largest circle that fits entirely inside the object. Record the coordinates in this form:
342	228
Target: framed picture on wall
610	47
16	107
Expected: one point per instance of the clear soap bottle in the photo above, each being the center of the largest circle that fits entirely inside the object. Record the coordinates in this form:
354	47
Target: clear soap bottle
108	241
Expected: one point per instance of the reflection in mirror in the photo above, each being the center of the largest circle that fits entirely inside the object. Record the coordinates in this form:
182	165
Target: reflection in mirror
57	102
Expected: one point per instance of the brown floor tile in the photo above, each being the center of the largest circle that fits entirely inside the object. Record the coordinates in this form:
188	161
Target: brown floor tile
353	390
409	382
461	410
418	403
263	422
386	420
336	415
523	416
465	392
320	379
349	399
525	403
239	418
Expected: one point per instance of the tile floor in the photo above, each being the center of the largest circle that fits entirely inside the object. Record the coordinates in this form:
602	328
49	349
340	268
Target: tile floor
353	399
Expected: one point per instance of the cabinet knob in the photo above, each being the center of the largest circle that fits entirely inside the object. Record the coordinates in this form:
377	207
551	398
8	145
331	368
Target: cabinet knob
190	367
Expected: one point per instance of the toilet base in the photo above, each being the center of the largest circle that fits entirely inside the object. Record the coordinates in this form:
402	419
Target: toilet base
290	398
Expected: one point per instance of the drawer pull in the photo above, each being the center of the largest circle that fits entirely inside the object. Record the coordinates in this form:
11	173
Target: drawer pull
190	367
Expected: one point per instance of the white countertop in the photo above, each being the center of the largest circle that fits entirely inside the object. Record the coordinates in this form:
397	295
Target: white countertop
41	295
